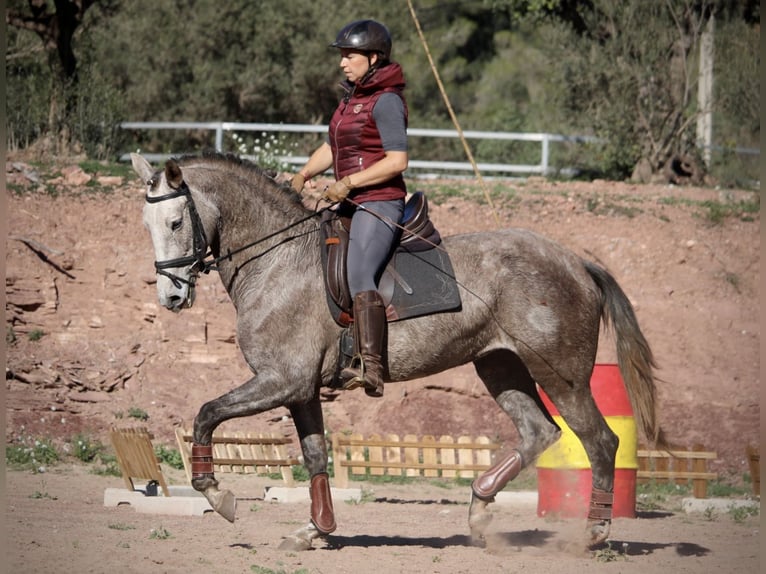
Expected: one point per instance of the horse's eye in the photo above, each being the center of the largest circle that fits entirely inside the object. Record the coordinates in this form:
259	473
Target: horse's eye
176	224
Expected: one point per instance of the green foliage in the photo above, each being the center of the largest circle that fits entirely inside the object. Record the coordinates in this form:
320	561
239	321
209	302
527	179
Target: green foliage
43	493
85	448
720	489
654	495
717	211
300	473
108	466
265	570
740	514
159	533
98	113
121	526
169	456
623	71
138	413
609	554
36	334
27	89
31	454
268	150
106	168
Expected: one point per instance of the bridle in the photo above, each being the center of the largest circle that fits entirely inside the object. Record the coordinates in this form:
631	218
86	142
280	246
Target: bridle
200	248
196	260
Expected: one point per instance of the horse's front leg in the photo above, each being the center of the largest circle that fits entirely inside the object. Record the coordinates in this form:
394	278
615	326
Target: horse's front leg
309	423
255	396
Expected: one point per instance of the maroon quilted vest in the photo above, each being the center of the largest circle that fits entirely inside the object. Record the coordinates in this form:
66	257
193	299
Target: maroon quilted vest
355	139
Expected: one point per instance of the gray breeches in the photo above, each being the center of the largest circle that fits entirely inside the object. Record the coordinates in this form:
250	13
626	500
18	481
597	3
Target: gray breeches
370	241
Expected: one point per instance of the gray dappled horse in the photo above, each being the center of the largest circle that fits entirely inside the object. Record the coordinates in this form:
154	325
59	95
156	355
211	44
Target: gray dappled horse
531	312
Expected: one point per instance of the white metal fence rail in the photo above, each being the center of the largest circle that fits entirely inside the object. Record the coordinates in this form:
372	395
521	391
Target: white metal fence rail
544	139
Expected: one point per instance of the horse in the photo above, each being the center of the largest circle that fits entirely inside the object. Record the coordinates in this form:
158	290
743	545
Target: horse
529	317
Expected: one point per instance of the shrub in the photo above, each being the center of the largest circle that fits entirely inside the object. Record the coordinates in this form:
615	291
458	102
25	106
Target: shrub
86	449
31	453
169	456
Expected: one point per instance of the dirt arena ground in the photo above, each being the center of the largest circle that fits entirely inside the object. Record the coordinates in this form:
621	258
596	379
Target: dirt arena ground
57	522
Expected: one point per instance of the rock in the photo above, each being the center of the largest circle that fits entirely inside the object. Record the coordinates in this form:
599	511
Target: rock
74	175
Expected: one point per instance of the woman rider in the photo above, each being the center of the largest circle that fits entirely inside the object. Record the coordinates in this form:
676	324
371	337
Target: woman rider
367	149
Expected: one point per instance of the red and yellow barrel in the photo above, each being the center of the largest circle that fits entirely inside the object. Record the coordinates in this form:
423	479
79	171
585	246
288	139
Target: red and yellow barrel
563	470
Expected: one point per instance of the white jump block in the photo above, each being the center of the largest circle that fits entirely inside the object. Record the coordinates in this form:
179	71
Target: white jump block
183	501
301	494
517	497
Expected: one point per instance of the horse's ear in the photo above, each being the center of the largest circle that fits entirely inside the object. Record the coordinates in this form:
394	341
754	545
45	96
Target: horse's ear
173	174
142	167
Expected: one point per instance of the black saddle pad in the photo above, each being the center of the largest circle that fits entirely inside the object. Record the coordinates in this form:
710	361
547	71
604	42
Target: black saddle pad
419	283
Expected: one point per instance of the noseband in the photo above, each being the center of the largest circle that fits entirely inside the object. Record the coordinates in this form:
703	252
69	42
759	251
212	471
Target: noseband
199	241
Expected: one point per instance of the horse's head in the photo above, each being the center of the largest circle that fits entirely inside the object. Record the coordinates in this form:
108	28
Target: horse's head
176	229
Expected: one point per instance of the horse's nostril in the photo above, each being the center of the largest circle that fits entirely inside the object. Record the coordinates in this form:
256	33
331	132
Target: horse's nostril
175	302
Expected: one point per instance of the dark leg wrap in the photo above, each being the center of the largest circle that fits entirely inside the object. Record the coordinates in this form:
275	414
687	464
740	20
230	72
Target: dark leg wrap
494	480
600	505
202	460
322	514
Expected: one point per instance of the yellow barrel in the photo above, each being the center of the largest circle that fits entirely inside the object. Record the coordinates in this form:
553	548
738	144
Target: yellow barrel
564	477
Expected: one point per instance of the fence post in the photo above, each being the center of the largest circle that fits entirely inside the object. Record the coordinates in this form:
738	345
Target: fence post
411	455
544	160
699	465
430	457
448	455
219	137
338	457
376	455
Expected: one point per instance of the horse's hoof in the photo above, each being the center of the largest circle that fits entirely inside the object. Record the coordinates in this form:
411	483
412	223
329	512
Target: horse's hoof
598	531
300	539
295	544
224	503
479	518
478	540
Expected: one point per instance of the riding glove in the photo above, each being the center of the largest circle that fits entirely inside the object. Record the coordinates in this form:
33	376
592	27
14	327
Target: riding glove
339	190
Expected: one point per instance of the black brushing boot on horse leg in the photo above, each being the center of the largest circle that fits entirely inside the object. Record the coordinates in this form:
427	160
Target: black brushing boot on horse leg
369	339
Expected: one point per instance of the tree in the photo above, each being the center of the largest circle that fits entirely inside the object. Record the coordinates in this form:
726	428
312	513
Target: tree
56	26
629	73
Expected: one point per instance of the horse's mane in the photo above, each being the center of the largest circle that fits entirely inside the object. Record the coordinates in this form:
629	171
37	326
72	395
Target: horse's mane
234	164
243	186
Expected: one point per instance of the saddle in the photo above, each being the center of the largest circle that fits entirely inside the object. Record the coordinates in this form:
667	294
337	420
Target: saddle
417	280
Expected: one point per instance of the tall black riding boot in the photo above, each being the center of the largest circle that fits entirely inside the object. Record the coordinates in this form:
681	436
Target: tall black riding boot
370	336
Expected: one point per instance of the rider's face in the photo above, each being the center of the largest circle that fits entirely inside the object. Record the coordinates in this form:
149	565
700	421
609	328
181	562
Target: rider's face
356	64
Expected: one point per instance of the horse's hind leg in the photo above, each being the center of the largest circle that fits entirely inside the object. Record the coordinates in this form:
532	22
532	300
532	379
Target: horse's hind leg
513	388
579	410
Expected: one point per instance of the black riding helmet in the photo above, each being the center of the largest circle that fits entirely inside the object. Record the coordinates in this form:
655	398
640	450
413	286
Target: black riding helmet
365	36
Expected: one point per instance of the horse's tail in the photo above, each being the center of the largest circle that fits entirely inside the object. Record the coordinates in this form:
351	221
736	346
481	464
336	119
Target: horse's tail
634	356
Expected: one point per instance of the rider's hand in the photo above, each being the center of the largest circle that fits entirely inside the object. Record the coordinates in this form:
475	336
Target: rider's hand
339	190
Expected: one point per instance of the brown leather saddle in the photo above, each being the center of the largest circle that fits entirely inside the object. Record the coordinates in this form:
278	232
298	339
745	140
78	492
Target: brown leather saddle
418	279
